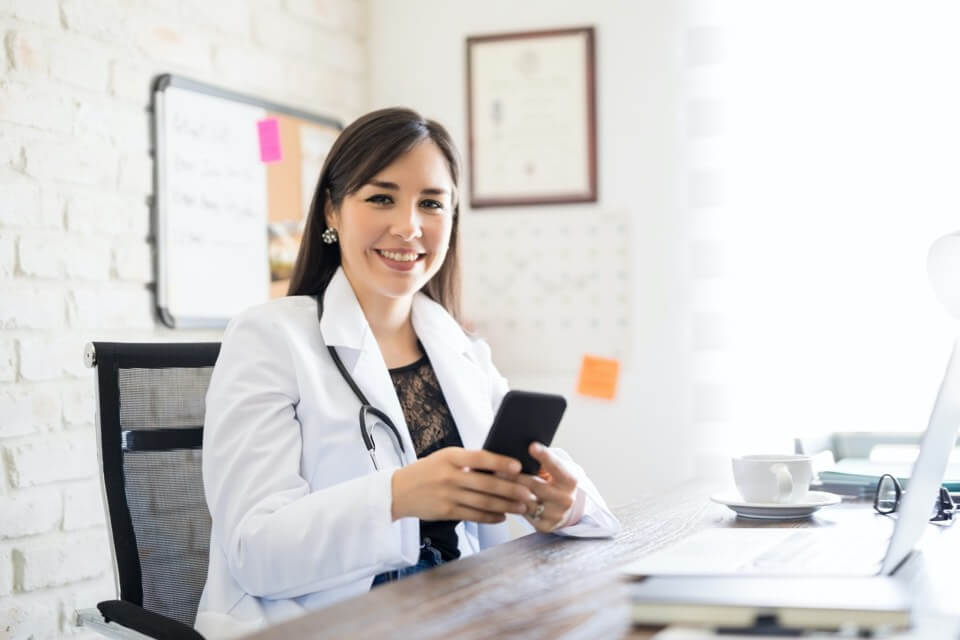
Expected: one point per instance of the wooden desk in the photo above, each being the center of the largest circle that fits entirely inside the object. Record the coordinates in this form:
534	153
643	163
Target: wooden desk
545	586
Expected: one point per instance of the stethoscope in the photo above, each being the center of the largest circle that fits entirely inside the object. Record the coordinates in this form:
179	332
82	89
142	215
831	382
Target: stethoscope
365	406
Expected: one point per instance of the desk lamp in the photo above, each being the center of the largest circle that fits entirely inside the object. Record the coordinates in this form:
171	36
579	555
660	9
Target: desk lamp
943	268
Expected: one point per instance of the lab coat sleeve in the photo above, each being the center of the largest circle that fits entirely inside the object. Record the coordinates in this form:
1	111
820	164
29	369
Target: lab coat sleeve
597	520
280	539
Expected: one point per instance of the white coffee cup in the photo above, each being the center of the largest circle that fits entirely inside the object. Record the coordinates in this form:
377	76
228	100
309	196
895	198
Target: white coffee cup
773	479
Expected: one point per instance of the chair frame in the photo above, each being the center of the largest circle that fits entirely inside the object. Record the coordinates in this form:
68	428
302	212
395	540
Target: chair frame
125	618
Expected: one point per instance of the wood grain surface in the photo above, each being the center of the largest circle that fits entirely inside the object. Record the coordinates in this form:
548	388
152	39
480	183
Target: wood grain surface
547	586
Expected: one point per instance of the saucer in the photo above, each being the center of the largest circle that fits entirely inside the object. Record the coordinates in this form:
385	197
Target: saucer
773	511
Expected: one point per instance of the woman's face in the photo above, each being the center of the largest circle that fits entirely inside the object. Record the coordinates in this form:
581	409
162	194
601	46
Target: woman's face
394	231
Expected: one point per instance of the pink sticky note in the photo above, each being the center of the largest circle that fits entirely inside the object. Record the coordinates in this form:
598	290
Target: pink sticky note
269	131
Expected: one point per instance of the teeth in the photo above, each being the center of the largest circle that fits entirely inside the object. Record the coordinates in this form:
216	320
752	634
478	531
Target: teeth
399	257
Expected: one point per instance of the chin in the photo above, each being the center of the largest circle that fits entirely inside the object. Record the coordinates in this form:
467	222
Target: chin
401	289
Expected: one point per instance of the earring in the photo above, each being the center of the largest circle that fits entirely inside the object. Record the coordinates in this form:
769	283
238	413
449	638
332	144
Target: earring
329	235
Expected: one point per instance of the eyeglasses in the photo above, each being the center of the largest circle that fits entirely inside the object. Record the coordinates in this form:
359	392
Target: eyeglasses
890	491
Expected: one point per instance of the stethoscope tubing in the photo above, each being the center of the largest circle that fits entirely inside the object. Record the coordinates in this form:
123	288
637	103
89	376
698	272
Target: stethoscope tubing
365	406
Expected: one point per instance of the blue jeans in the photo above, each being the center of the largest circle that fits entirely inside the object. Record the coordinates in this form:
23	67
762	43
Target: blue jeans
429	558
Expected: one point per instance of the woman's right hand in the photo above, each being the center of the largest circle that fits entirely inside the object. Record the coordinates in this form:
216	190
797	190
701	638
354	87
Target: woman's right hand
446	486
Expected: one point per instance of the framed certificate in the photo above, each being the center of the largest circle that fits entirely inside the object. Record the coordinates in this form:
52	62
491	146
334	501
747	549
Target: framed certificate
532	118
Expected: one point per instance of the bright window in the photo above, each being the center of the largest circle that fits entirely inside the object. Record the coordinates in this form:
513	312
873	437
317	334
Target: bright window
838	160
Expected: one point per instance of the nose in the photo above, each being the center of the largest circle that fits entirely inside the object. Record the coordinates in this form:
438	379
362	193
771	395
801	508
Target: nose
406	223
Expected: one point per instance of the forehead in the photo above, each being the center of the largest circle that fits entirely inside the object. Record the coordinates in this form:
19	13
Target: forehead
424	165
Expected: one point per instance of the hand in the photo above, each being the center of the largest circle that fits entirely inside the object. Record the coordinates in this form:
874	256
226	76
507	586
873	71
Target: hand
554	487
444	486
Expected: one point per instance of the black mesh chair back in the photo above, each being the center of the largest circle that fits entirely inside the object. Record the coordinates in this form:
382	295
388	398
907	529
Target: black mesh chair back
150	420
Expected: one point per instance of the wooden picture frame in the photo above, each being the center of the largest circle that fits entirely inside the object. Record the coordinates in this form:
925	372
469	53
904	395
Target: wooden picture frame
531	118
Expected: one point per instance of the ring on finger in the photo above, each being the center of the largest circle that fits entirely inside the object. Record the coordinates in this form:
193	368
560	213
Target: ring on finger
538	512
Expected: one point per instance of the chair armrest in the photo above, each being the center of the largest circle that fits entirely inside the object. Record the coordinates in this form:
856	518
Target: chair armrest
146	622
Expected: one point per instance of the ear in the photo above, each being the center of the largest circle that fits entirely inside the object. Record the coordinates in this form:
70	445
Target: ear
330	215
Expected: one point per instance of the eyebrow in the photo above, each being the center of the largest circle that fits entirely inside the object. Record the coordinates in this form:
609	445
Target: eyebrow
433	191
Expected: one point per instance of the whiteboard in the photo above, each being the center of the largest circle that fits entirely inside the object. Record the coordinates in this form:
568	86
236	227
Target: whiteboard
233	180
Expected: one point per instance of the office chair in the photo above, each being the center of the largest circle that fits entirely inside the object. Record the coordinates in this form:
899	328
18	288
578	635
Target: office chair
150	410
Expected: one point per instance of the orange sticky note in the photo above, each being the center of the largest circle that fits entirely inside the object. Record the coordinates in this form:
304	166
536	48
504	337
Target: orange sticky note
598	377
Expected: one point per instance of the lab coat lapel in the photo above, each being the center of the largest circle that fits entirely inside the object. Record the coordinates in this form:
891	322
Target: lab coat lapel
464	385
344	327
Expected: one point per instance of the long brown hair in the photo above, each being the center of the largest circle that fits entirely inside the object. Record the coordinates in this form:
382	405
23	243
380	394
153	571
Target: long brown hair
366	147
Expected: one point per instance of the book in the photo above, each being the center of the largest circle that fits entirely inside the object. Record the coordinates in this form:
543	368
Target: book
788	602
851	474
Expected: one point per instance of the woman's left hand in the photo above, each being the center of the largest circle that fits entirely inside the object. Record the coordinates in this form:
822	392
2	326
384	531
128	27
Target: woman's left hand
555	489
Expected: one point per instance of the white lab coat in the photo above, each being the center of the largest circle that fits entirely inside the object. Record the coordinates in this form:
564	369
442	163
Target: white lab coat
300	517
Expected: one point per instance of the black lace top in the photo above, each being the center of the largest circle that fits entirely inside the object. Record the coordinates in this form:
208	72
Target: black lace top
432	428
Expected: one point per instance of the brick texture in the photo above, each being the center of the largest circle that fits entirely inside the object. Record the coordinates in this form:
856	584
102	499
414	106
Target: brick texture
52	458
83	506
55	255
29	52
35	106
60	560
26	410
28	307
79	403
42	12
19	203
52	358
8	360
30	512
8	254
103	212
30	618
90	308
6	576
76	255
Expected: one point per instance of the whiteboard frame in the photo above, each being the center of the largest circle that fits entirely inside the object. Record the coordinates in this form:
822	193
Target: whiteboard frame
158	208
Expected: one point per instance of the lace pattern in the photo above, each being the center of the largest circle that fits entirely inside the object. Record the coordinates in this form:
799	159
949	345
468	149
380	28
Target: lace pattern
431	428
424	408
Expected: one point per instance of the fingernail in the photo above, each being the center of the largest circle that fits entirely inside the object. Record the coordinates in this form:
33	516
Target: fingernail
522	508
532	498
537	447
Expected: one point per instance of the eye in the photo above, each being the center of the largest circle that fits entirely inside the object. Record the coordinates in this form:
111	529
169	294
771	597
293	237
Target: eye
380	198
432	204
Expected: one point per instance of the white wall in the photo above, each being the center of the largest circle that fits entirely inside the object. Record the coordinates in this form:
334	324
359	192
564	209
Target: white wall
74	256
417	57
785	166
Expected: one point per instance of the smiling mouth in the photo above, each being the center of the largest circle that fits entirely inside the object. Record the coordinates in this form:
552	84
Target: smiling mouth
400	256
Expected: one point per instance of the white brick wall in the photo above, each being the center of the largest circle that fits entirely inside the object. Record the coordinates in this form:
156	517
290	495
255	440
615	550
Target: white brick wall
6	579
60	560
18	202
30	512
75	256
34	106
8	360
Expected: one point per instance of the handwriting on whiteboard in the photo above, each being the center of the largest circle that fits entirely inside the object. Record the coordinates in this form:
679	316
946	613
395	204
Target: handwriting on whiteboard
215	205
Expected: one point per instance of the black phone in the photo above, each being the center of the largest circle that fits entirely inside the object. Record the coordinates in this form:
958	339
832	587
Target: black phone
525	417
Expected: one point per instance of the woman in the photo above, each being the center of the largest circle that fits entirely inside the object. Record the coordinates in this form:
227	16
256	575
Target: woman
307	508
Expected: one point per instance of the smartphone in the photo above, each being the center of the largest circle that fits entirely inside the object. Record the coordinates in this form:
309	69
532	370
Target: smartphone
525	417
